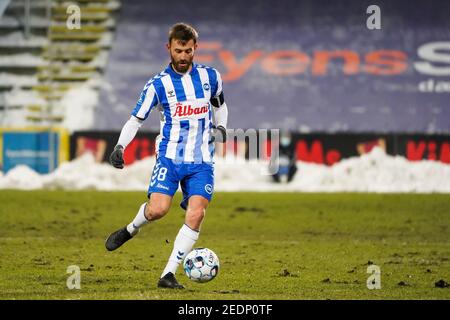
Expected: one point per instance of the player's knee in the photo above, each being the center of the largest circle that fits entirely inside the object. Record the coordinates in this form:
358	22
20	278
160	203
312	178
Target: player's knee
196	214
155	212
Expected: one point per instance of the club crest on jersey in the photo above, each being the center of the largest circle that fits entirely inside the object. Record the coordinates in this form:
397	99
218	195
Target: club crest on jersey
208	188
206	86
187	110
170	94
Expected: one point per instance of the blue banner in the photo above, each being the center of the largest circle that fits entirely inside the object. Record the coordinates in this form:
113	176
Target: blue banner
31	149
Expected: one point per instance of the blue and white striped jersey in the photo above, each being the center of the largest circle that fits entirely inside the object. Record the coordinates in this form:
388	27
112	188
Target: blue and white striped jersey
186	112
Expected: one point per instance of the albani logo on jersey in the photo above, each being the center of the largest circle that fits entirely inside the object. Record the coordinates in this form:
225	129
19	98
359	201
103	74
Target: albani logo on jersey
183	110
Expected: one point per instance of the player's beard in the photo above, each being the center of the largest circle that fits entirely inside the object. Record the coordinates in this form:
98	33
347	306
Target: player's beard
181	66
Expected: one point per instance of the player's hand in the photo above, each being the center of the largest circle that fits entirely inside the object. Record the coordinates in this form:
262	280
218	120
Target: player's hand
116	157
219	134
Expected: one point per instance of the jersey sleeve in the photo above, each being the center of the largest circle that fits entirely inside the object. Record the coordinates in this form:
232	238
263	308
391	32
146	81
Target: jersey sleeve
147	101
219	84
217	97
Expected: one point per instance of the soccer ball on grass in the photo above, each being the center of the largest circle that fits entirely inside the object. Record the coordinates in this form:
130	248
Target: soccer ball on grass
201	265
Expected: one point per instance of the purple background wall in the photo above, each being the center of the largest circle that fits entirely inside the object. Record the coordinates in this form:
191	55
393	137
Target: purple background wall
305	102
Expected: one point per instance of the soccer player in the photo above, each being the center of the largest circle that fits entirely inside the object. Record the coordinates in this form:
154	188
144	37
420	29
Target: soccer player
193	114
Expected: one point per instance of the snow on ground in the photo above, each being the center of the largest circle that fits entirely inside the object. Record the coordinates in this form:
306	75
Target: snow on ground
374	172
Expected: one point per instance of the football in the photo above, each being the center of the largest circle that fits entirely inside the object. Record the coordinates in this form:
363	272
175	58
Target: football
201	265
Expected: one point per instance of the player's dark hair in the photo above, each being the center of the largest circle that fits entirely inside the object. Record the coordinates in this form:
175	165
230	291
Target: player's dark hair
183	32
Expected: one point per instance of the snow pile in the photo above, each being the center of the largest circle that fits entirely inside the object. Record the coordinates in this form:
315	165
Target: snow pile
373	172
80	174
79	108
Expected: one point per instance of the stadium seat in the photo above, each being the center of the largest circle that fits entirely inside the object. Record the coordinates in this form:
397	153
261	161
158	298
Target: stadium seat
52	59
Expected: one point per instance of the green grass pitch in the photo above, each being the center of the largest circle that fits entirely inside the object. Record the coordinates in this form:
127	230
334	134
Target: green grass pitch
270	245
